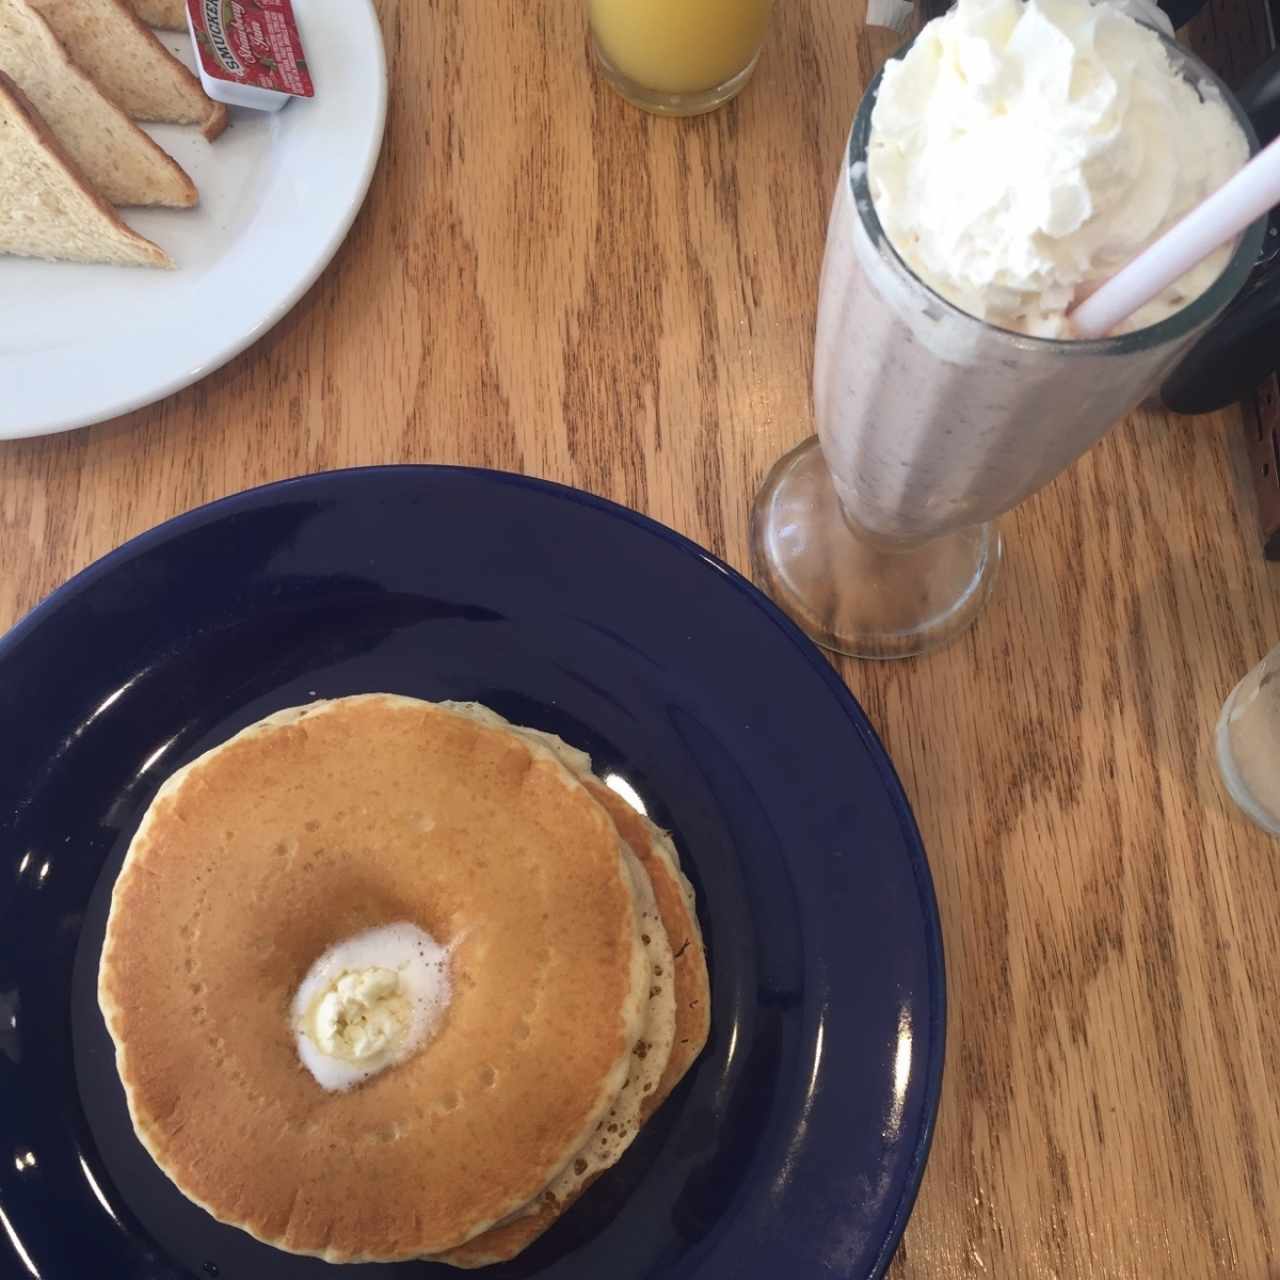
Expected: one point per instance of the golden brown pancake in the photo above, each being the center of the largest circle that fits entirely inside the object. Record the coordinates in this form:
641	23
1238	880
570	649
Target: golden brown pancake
673	897
300	832
676	904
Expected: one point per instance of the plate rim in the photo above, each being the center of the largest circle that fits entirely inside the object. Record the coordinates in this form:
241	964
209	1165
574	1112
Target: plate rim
922	875
224	352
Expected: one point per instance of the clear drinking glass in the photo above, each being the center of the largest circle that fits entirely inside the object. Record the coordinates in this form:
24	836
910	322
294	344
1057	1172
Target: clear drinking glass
678	57
877	536
1249	743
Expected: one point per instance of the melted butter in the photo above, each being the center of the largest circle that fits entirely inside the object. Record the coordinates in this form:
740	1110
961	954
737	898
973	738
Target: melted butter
368	1003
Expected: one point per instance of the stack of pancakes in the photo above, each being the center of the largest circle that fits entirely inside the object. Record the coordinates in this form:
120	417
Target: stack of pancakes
577	978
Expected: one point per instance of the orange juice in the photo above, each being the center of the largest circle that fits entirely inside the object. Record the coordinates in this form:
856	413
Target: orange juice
679	46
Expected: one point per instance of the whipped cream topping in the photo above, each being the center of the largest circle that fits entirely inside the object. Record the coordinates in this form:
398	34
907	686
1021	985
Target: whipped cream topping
368	1003
1023	151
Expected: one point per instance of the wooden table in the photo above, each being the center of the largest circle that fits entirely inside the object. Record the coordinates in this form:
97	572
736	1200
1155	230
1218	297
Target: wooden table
547	280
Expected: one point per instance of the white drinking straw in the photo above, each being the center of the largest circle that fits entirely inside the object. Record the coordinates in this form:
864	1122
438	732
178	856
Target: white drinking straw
1224	215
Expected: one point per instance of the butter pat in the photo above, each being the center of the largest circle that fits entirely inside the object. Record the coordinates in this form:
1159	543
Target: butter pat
369	1002
361	1016
249	52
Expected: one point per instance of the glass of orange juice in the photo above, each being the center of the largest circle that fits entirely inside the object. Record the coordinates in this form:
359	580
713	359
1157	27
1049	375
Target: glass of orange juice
678	57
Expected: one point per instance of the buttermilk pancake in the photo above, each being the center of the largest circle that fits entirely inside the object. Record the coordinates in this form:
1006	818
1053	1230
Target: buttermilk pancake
674	894
468	920
669	1043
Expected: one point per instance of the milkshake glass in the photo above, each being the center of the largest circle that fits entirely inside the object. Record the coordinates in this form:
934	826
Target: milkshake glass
878	535
1248	742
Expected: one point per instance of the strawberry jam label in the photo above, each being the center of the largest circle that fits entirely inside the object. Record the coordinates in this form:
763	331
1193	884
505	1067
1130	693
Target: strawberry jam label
251	42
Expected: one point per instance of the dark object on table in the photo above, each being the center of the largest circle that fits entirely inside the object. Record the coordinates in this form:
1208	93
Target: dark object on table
1181	11
1262	440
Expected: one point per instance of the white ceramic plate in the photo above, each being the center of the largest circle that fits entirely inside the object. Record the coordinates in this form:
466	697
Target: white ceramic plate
278	194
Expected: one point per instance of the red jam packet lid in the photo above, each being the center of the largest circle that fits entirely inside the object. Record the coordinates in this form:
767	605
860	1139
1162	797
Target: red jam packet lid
249	52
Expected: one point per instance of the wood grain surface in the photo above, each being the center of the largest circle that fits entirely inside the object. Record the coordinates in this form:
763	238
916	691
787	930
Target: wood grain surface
547	280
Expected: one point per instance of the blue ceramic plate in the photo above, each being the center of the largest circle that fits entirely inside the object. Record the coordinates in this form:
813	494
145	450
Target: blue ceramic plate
794	1149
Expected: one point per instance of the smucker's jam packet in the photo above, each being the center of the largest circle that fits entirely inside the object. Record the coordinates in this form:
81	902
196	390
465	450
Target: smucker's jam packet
249	52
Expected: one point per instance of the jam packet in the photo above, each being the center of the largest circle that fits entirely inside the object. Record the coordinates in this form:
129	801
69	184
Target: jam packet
249	52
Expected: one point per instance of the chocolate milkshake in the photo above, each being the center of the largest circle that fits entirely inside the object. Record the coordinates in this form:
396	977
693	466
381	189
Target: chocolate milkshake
1018	155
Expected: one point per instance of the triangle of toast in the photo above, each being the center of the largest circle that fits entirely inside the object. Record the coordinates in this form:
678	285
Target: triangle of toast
130	65
47	208
121	161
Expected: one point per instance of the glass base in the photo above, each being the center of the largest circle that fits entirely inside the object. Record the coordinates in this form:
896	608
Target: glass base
855	594
696	103
1236	786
